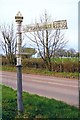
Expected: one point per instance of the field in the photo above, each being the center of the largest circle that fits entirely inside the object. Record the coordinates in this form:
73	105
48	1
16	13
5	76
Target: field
35	107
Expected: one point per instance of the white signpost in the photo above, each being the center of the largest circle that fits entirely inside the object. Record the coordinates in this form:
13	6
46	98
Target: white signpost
61	24
19	20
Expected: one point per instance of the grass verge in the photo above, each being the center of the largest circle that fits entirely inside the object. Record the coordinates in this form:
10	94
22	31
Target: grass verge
42	72
35	107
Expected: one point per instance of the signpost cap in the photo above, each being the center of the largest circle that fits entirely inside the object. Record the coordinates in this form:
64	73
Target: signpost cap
19	17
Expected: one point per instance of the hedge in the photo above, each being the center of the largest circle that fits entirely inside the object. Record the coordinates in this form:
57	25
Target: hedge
57	66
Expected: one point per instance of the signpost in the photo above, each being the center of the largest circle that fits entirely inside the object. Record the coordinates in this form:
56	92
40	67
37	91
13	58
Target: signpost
61	24
19	20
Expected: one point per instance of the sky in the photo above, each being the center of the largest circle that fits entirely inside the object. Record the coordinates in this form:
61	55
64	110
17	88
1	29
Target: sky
33	9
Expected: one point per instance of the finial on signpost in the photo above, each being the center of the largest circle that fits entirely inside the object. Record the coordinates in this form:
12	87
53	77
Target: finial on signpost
19	17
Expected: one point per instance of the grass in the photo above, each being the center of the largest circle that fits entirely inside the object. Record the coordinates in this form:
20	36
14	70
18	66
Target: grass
35	107
8	68
41	72
65	59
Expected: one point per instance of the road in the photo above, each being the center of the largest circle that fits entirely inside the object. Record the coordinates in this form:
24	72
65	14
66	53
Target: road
52	87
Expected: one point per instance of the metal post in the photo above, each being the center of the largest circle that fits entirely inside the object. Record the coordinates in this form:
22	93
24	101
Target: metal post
19	19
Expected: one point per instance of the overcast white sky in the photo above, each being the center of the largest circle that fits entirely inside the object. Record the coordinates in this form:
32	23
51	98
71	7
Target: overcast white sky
32	9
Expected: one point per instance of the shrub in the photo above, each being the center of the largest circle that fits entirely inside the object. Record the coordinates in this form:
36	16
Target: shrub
70	66
33	63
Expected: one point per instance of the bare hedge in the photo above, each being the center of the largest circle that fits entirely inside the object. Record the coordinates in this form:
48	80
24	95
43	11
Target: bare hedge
57	66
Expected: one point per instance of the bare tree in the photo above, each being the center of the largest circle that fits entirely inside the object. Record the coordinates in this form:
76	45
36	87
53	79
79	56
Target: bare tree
8	42
47	41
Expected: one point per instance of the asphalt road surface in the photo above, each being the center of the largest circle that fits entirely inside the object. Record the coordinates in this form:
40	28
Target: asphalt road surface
52	87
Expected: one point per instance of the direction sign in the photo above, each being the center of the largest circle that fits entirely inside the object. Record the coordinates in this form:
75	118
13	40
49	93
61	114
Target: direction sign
60	24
